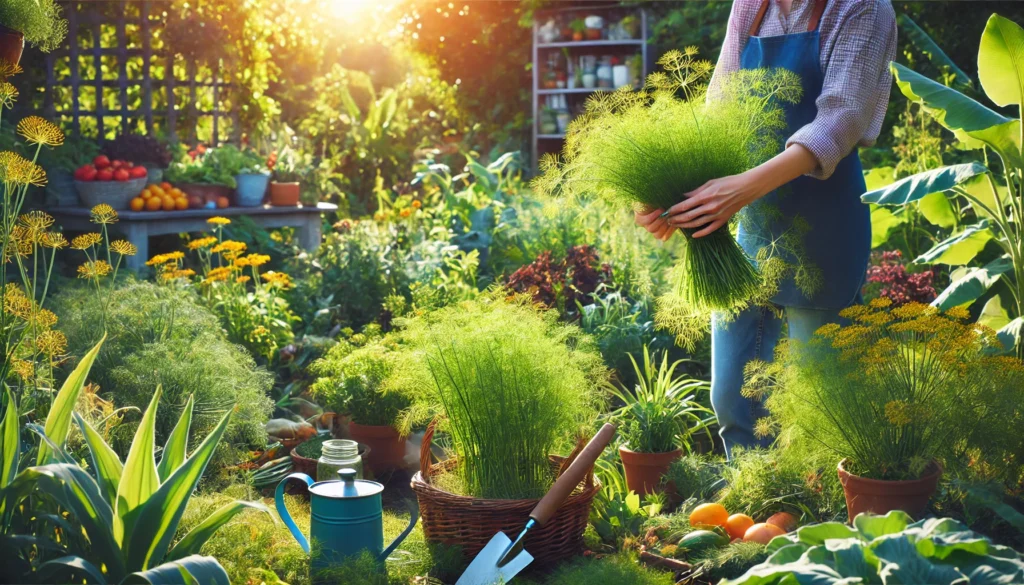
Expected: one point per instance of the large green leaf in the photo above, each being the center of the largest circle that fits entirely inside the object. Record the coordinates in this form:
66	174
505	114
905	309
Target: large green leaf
818	533
975	282
798	573
981	188
197	537
883	222
139	479
1001	61
935	54
193	570
61	569
175	449
960	248
871	526
902	563
10	441
104	460
58	421
971	122
1010	334
936	208
993	314
917	186
78	493
160	515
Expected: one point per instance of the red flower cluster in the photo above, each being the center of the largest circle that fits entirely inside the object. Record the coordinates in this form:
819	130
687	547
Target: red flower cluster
199	150
572	280
896	284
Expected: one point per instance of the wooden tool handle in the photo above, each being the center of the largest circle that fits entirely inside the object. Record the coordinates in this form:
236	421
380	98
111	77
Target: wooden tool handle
568	481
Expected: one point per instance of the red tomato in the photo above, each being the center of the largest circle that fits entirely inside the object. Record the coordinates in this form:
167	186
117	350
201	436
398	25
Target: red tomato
104	175
116	164
85	173
101	162
122	174
128	164
137	172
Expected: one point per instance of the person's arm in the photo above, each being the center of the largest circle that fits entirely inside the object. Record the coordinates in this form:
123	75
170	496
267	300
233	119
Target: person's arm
857	69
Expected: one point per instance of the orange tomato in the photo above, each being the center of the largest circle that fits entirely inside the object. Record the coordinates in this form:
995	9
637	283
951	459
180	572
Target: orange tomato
146	193
156	190
176	192
165	186
762	533
154	204
137	204
167	203
738	524
181	203
222	202
709	516
784	520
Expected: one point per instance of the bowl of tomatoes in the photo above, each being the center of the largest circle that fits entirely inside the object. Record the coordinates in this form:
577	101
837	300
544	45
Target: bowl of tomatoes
114	182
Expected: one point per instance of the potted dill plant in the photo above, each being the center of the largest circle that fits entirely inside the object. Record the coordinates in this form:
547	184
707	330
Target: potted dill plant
897	395
38	22
508	386
645	149
354	381
658	419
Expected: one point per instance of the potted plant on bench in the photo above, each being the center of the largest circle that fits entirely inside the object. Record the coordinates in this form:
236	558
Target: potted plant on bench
289	171
38	22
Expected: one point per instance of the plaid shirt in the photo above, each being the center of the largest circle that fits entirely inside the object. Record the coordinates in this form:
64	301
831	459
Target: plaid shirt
858	40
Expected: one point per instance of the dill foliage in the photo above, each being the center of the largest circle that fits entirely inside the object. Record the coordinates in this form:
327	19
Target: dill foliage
647	149
513	386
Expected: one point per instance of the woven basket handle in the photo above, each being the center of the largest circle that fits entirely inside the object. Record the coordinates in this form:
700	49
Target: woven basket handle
572	476
425	454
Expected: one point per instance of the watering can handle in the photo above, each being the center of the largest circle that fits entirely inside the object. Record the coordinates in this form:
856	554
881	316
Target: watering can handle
279	500
577	470
414	515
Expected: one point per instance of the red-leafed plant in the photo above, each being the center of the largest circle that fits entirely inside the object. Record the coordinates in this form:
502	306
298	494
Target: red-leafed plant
890	278
568	283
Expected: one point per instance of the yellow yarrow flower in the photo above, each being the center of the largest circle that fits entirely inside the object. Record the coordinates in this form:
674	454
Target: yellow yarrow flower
202	243
277	279
218	220
243	279
229	246
39	130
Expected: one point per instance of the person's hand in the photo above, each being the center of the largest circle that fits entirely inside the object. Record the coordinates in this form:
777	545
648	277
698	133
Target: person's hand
711	205
653	222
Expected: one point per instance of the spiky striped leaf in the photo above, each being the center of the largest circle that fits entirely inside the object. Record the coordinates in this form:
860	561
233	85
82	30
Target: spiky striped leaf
58	421
139	479
104	460
175	449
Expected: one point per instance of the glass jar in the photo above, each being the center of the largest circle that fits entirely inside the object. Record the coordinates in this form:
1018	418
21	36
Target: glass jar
335	455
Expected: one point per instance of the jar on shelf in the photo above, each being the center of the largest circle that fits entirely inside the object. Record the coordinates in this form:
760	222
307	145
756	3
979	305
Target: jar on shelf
338	454
604	73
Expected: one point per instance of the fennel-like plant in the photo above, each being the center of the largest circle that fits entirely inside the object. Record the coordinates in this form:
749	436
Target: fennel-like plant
647	149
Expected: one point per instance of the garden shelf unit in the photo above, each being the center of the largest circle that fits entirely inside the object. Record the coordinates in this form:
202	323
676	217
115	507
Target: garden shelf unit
556	50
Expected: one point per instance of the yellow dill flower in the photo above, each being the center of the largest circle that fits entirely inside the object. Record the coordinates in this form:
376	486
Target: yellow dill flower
912	310
94	269
39	130
16	303
218	220
202	243
958	313
52	343
827	330
23	368
123	247
8	94
277	279
854	312
880	303
36	220
8	69
54	240
229	246
18	170
44	318
103	214
764	427
86	241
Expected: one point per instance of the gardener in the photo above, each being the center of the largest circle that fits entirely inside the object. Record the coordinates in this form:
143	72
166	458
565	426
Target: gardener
841	50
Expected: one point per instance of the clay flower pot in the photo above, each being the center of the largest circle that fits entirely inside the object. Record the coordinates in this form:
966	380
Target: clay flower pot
12	43
645	470
387	447
284	194
880	496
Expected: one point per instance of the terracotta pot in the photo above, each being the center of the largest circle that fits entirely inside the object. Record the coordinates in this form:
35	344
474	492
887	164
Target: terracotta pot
387	447
880	496
577	36
645	470
12	43
593	34
284	194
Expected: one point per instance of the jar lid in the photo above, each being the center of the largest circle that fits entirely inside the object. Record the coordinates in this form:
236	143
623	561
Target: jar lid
347	486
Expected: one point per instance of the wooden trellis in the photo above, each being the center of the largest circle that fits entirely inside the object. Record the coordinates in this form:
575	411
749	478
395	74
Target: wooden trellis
164	103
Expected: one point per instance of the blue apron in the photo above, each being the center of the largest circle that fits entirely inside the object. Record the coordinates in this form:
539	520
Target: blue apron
839	239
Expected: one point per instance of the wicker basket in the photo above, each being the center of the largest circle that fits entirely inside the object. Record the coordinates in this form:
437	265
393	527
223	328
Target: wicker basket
471	522
116	194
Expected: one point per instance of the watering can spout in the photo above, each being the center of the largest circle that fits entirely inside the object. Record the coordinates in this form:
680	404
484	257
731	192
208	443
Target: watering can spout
346	517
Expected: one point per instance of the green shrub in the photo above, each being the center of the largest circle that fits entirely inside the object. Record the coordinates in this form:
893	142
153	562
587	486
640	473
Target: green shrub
512	383
39	20
620	569
160	336
353	381
696	476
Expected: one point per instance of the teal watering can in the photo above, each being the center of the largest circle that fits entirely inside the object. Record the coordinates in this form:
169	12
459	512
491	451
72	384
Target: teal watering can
345	520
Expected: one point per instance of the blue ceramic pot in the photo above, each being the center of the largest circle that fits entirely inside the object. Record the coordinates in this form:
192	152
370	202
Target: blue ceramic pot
251	189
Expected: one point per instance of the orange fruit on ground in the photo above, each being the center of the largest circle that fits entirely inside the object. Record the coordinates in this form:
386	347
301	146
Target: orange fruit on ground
167	203
181	203
154	204
784	520
137	204
709	516
165	186
738	524
222	202
762	533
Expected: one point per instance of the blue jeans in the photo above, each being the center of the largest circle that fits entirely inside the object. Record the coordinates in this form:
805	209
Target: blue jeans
753	334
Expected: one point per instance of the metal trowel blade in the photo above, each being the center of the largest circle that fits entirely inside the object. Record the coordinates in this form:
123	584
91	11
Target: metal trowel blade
484	569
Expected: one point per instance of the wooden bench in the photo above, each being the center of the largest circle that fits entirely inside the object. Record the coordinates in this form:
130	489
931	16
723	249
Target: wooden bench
138	226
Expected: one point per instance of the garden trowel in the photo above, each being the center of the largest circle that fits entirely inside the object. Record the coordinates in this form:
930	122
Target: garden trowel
503	558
